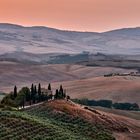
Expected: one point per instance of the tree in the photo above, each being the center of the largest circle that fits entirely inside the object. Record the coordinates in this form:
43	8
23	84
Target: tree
34	94
27	93
61	92
56	96
68	98
49	87
39	92
135	106
32	91
21	98
61	89
7	100
35	90
64	94
15	92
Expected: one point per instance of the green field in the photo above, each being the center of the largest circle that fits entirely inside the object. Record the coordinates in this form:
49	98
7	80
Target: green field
43	123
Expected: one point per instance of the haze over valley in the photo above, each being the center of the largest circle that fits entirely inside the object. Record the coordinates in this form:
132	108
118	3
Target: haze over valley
44	40
59	56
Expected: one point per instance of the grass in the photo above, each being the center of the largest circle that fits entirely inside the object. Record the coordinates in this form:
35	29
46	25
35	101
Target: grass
45	123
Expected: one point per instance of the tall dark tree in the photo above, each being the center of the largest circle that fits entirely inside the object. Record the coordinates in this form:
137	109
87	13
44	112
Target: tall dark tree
32	91
64	94
15	92
49	87
39	92
34	94
35	90
61	92
56	96
61	88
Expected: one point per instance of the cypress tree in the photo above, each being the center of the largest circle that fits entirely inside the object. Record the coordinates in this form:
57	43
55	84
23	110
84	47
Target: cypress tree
15	92
61	88
34	94
32	91
64	94
61	92
35	90
56	96
39	92
49	87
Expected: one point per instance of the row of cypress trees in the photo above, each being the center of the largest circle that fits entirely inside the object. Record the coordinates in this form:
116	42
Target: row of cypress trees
33	95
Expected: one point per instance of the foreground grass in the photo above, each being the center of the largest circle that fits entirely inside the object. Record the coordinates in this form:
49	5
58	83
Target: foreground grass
41	123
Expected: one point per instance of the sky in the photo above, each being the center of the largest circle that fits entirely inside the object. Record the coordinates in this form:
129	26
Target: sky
79	15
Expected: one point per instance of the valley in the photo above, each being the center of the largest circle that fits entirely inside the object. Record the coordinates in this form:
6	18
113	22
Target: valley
79	81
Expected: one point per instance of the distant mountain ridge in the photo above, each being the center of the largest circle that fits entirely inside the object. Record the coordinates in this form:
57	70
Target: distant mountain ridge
125	31
40	40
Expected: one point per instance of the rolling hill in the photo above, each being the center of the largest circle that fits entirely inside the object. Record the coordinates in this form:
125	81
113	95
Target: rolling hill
79	81
47	122
117	89
25	74
65	120
40	41
78	61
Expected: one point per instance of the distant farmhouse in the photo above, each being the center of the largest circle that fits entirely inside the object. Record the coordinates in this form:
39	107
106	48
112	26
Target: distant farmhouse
123	74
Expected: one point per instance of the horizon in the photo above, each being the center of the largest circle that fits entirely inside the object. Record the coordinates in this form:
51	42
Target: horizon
70	30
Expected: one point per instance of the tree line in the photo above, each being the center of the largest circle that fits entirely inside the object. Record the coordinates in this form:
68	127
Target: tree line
108	104
32	95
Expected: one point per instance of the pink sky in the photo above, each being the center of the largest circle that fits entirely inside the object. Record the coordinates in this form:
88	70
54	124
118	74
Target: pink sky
85	15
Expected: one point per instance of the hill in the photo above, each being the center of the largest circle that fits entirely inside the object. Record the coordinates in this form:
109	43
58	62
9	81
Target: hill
79	81
47	122
37	41
65	120
117	88
25	74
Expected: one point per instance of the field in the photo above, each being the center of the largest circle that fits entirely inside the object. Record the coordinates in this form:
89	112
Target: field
46	122
117	89
65	120
24	74
79	81
130	114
